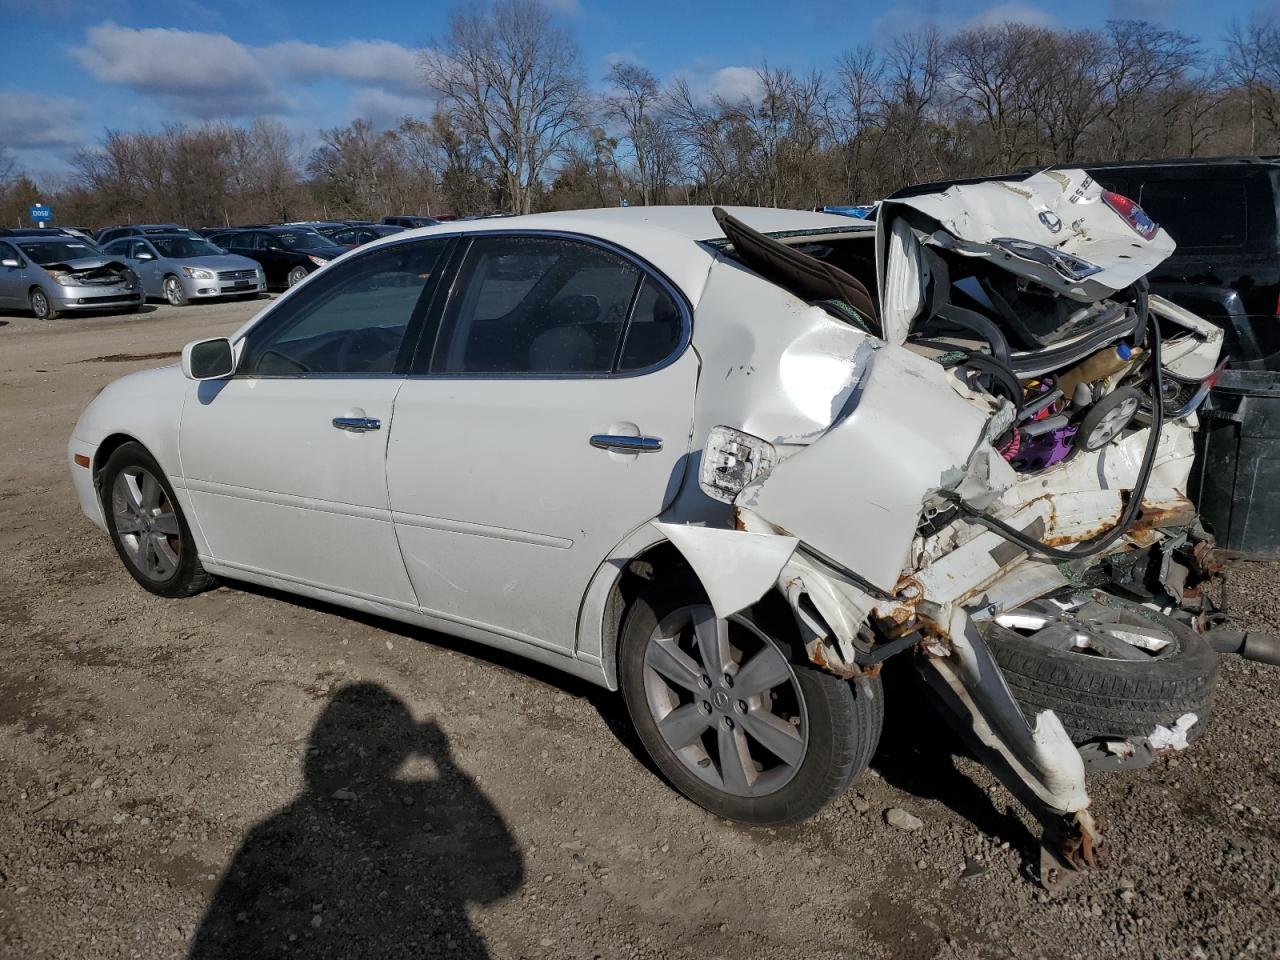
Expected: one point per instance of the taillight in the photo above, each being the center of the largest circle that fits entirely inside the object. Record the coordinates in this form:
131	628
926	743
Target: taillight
1131	213
1212	379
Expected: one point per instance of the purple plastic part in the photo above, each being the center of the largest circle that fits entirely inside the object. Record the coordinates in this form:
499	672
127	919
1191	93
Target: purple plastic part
1037	453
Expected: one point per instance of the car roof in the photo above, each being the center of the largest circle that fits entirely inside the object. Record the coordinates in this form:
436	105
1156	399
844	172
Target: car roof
49	238
672	238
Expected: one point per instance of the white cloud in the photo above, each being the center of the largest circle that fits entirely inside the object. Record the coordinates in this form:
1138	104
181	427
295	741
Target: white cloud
376	63
34	121
734	83
1013	13
727	83
203	74
904	18
208	75
384	109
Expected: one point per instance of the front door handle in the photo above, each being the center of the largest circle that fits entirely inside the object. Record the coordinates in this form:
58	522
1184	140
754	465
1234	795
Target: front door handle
623	444
357	424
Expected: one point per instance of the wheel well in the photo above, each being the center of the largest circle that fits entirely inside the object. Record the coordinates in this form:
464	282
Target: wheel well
662	560
657	561
105	449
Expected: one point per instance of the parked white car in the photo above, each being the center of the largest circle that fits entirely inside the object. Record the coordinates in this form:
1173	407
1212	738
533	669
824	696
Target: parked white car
687	454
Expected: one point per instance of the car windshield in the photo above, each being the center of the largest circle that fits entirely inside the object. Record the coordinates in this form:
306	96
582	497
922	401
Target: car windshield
56	251
176	249
304	239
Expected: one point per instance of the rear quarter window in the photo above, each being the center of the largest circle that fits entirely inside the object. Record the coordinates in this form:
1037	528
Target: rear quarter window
1199	213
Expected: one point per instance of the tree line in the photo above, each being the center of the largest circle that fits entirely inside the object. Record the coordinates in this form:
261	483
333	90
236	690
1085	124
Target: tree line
516	125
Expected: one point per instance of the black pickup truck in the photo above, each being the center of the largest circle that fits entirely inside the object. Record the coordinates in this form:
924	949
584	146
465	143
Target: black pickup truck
1224	214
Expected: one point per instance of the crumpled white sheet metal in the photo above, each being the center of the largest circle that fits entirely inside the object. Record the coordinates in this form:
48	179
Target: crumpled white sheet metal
1060	209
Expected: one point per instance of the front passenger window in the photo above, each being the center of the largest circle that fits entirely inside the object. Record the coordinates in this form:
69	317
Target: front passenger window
350	320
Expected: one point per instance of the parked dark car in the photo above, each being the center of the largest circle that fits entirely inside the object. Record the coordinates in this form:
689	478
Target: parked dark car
107	234
355	236
287	254
34	232
410	223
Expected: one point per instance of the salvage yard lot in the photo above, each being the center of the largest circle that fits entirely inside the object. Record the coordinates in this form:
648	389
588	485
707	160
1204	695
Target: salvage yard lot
142	740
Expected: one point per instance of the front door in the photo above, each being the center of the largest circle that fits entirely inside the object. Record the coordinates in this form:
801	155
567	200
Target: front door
286	460
553	418
13	292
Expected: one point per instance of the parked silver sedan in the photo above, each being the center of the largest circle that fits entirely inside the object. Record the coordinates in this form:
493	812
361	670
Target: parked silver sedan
180	268
58	274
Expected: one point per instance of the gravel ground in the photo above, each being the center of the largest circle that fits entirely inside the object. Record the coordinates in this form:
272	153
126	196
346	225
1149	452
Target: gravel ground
244	774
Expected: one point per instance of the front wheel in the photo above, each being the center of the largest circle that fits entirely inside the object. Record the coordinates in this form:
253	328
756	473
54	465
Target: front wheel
174	292
42	306
733	716
147	527
296	276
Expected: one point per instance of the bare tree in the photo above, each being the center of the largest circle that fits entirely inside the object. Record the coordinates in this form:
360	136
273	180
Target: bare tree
512	78
855	115
632	102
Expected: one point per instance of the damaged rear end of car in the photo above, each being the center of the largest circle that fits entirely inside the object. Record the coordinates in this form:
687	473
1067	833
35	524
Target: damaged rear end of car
967	434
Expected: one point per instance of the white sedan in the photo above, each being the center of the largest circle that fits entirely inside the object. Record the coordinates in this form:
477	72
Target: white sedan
675	451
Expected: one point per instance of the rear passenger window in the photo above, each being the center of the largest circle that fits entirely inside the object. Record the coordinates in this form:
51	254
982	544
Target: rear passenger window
654	331
538	305
1198	213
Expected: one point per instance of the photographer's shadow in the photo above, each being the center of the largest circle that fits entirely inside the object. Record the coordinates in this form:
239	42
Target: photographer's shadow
366	863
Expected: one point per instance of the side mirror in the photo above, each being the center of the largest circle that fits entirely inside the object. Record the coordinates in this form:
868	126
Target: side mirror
10	263
143	255
208	359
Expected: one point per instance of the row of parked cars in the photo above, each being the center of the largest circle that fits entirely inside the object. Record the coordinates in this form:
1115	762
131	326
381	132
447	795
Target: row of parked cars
56	270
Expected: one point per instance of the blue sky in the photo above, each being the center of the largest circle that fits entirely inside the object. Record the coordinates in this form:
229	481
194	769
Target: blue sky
74	68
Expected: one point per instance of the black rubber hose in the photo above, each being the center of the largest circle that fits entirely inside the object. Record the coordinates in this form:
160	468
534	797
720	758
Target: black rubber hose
1089	548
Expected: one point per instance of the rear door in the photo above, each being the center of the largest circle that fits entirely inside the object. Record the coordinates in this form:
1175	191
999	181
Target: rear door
552	419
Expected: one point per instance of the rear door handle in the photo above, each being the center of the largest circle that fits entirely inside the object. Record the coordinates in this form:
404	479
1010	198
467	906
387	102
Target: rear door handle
357	424
612	441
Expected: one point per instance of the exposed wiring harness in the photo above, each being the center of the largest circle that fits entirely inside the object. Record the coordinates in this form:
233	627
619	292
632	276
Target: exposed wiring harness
1098	544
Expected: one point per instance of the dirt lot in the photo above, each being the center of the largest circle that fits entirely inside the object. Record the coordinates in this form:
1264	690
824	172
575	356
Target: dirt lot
242	774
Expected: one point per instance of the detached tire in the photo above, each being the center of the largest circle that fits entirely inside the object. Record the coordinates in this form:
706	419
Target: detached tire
732	713
1100	697
147	526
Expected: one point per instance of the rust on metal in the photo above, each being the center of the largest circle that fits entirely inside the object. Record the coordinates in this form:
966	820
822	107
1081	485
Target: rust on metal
1181	513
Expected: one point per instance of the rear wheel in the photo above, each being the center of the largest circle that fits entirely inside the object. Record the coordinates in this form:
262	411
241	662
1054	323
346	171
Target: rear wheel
147	527
41	305
1108	667
732	716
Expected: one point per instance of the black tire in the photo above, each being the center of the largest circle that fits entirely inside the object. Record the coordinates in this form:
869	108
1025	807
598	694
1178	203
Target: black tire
1099	698
188	576
843	719
296	275
41	306
170	290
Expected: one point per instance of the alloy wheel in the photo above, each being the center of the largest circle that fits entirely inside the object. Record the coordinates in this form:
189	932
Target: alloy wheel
146	522
39	304
725	701
1090	629
297	275
174	293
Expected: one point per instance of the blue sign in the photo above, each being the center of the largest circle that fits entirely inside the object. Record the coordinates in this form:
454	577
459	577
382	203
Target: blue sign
40	212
